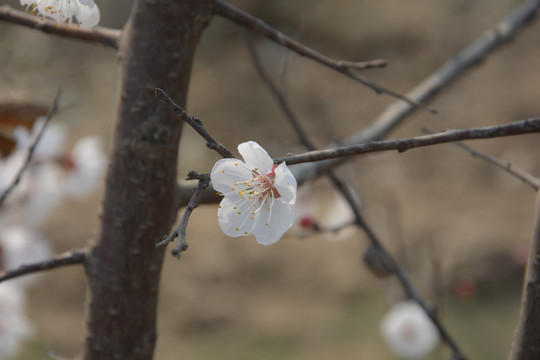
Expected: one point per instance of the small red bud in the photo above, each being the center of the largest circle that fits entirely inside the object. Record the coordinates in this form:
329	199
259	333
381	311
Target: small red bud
69	162
465	288
307	222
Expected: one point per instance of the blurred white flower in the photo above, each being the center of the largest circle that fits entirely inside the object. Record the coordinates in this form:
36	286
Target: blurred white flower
408	331
316	211
257	195
39	190
14	327
51	144
86	164
20	246
51	175
338	214
83	13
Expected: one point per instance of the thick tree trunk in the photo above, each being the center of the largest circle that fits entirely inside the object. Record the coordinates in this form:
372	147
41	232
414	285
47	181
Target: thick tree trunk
527	338
124	266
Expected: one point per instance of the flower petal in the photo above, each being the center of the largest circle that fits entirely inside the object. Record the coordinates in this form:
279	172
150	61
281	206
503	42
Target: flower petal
256	157
280	220
237	218
408	331
285	184
88	15
227	172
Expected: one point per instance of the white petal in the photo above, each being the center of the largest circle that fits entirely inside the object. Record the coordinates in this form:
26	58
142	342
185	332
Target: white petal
285	183
408	331
15	326
338	213
90	162
227	172
21	246
280	220
62	11
237	218
47	191
256	157
88	16
51	143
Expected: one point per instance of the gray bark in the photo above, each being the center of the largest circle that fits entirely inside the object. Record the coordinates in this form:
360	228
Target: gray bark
123	266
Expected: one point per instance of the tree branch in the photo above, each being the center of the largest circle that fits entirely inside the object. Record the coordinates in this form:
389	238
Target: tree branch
377	258
31	150
475	53
184	193
401	145
65	259
195	123
519	173
180	231
98	35
251	22
441	78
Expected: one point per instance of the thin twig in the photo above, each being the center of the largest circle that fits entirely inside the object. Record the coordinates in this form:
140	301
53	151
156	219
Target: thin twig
377	258
277	94
316	228
180	231
99	35
195	123
488	132
184	193
65	259
474	54
441	78
249	21
345	67
31	150
518	172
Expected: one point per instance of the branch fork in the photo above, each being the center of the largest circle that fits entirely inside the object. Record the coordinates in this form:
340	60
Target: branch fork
180	231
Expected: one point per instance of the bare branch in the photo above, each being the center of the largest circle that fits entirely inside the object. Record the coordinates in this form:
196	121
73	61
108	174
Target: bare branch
195	123
377	258
98	35
516	128
455	67
527	336
180	231
519	173
31	150
208	196
251	22
65	259
278	95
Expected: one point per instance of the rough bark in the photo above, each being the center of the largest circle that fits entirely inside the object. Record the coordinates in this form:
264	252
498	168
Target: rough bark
527	338
123	266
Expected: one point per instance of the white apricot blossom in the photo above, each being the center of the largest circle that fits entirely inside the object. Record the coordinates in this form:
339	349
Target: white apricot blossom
85	165
408	331
20	245
257	195
14	326
83	13
53	174
321	210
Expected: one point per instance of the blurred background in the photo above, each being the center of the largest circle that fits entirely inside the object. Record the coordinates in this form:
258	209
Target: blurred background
461	226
